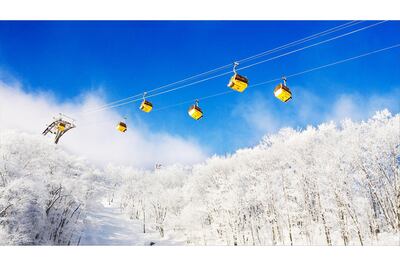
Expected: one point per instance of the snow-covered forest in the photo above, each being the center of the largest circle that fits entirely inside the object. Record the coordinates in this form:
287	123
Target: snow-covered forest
326	185
43	192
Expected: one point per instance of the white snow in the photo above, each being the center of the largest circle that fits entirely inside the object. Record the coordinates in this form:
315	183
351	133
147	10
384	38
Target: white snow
329	185
106	224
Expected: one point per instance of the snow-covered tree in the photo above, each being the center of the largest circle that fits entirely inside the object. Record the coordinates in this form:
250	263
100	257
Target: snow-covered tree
331	184
334	184
43	192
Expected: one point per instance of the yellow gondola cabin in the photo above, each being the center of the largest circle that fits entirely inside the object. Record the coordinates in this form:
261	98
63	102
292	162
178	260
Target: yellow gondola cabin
121	127
146	106
195	111
61	126
237	82
282	92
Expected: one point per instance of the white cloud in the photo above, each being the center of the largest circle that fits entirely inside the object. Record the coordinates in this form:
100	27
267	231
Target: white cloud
308	106
258	113
95	136
262	116
358	107
345	107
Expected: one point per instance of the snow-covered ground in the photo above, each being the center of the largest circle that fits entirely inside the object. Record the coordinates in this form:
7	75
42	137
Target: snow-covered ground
107	225
326	185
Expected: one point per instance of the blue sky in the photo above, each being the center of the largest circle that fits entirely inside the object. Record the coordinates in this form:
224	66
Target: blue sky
121	58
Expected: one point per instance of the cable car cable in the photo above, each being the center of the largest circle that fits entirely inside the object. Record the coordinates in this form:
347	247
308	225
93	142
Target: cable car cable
269	81
306	39
314	36
312	45
245	67
278	79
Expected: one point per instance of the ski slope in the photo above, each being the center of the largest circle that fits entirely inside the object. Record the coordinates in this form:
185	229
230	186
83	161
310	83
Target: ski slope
107	226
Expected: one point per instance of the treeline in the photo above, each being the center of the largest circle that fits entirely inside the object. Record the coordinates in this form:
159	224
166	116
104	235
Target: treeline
330	185
43	192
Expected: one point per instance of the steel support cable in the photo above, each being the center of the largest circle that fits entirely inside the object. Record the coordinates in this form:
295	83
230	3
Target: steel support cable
312	45
300	41
270	81
245	67
306	39
287	76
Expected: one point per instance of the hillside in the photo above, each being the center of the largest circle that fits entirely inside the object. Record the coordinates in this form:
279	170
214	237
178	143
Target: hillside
329	185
